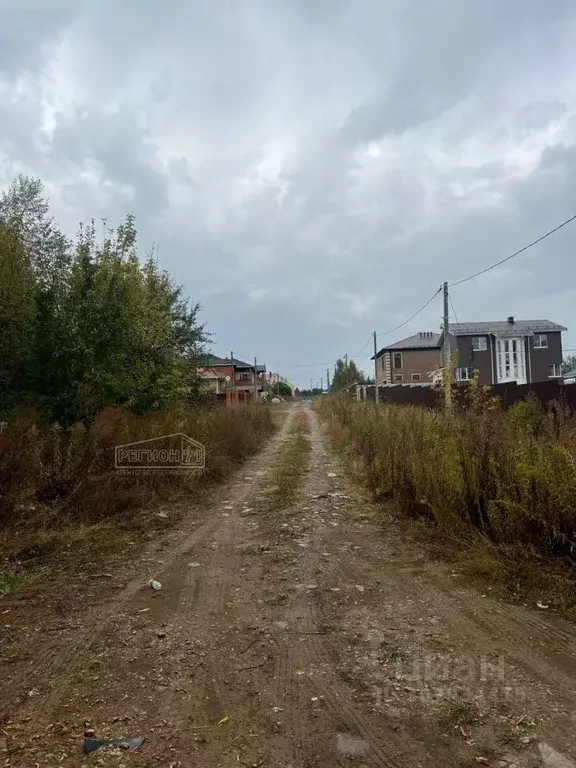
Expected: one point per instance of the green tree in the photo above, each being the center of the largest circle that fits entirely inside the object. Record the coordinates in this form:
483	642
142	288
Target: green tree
345	374
47	254
282	389
17	317
90	325
569	363
24	207
139	342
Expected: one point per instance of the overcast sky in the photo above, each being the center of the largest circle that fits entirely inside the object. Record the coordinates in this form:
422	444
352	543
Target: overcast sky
312	170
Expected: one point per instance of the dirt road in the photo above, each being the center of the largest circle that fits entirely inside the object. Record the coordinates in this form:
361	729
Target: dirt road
313	633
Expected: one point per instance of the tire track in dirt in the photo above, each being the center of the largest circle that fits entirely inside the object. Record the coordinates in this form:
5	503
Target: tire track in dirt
275	629
315	646
215	615
540	652
65	662
316	698
60	662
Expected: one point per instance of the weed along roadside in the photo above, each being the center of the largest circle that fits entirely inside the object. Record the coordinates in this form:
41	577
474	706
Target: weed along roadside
497	488
279	623
70	496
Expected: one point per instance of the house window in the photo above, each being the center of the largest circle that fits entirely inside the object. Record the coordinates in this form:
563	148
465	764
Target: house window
416	377
479	343
540	341
398	377
464	374
397	360
243	376
554	370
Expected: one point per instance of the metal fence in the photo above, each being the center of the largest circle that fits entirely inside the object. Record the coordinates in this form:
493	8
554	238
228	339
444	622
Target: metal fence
424	396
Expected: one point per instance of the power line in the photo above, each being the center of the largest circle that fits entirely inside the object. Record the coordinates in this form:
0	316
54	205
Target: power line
422	308
302	365
355	354
453	310
517	253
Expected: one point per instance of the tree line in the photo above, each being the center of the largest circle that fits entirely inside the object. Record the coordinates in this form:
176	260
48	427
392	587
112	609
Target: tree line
86	323
344	374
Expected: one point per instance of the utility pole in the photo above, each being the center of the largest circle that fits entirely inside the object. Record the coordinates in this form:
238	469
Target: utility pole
255	380
321	384
328	380
376	393
310	384
232	377
447	377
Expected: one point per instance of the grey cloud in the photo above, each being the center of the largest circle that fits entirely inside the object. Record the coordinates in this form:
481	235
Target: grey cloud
238	135
27	26
447	47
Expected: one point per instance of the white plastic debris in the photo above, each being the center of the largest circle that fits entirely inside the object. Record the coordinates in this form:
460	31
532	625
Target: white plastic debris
155	584
541	605
331	474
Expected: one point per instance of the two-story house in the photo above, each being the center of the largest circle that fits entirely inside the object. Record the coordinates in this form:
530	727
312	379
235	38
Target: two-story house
229	374
410	360
503	351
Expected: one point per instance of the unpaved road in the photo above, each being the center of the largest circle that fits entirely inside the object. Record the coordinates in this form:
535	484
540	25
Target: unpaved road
322	636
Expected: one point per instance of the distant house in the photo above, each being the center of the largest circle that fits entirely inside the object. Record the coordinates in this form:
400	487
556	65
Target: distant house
410	360
570	377
213	379
232	376
503	351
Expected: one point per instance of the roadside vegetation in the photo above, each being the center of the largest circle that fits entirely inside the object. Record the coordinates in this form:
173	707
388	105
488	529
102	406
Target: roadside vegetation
88	324
98	348
499	487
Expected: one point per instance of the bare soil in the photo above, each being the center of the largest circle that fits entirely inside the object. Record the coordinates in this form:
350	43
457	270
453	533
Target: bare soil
304	635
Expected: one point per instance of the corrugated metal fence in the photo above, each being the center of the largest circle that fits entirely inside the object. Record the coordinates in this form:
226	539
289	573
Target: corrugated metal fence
550	391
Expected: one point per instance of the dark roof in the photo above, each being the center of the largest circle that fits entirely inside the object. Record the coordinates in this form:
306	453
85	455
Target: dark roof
498	326
214	361
422	340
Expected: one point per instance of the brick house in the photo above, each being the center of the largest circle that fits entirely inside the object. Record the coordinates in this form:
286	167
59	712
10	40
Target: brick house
510	350
233	377
410	360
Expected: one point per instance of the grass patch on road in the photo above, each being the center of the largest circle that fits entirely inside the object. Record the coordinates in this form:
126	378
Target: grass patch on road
10	583
290	466
460	712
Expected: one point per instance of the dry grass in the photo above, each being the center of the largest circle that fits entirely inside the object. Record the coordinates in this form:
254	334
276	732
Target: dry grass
52	475
61	498
499	486
511	572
